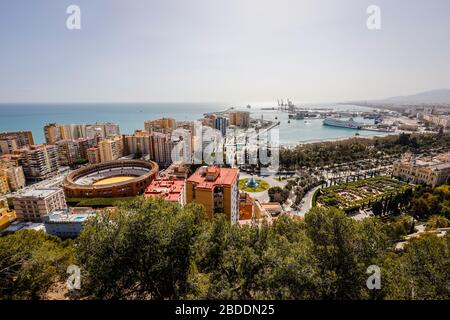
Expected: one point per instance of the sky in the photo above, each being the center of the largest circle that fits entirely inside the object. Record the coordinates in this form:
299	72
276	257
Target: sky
240	51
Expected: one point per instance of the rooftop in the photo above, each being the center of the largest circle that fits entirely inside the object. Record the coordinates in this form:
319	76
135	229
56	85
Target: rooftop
209	177
39	193
170	190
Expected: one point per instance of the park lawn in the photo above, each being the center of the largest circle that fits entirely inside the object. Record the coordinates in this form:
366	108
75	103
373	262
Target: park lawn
262	185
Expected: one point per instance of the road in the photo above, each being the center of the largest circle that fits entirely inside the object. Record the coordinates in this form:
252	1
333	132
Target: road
306	203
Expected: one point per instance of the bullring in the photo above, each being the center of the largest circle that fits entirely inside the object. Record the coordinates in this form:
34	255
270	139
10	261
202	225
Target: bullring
120	178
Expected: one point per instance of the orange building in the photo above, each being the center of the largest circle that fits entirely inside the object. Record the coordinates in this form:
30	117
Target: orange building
216	189
169	190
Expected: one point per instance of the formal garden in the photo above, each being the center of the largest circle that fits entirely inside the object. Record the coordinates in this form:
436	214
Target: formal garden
362	193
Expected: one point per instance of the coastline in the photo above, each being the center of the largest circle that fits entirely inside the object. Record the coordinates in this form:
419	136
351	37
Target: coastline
312	141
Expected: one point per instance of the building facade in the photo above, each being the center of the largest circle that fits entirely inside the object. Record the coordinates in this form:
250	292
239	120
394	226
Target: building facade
93	155
161	148
23	138
163	125
8	145
216	189
33	205
430	171
110	149
239	119
171	190
39	162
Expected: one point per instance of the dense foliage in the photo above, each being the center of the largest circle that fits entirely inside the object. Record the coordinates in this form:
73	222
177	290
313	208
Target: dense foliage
431	201
150	249
350	150
30	263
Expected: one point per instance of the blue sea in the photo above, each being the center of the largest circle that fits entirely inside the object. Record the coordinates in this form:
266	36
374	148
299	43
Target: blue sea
131	116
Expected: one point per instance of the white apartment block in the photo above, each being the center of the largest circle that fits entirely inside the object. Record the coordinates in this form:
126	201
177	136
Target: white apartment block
33	205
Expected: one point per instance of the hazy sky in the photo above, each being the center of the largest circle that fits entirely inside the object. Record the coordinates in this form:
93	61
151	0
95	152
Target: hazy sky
221	51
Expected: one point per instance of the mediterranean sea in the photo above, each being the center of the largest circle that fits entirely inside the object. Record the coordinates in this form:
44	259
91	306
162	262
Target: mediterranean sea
131	116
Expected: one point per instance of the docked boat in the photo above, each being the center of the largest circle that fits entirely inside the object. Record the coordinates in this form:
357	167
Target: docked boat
349	124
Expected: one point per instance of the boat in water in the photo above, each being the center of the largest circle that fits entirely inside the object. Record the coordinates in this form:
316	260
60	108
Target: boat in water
349	124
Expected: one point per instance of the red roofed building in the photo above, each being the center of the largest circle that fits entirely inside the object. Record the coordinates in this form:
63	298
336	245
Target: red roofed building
169	190
216	189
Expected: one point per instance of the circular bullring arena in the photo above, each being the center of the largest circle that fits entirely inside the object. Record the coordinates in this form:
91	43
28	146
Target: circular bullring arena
120	178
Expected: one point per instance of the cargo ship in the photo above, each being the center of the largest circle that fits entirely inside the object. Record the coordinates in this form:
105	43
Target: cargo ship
349	124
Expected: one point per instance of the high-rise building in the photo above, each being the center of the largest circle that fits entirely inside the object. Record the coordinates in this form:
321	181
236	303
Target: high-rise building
216	189
221	123
208	120
8	145
137	143
102	130
14	175
239	119
39	162
4	186
93	155
52	132
23	138
161	145
33	205
84	144
68	152
55	132
163	125
111	149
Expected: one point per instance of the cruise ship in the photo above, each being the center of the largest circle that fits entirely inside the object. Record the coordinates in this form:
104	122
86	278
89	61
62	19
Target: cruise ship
350	123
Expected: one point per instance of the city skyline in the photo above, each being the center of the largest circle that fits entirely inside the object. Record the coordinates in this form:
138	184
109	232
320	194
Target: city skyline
198	51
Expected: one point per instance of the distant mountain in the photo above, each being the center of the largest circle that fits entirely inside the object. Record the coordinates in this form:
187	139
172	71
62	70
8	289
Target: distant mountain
432	96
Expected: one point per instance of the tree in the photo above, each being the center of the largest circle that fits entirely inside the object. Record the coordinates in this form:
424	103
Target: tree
421	272
277	194
31	262
141	251
338	244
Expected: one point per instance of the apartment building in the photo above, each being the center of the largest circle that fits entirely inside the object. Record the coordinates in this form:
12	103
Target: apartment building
33	205
4	186
221	124
14	176
431	171
23	138
163	125
440	120
8	145
93	155
137	143
39	162
171	190
52	133
68	152
216	189
110	149
239	119
161	148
